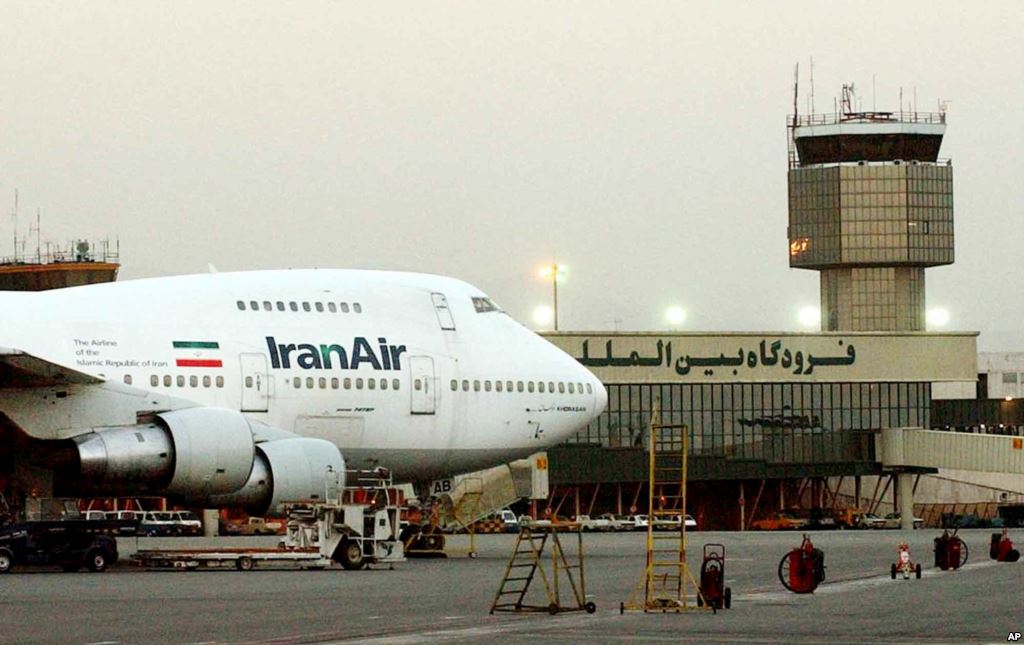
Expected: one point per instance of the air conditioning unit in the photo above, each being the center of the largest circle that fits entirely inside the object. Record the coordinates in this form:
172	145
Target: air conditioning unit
862	163
897	162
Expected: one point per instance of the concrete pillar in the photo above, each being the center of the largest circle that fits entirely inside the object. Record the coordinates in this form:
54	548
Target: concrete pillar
856	491
906	500
743	509
211	522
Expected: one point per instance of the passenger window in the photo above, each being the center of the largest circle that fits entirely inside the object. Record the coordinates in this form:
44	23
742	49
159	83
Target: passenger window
383	384
487	386
476	385
280	306
551	387
455	384
497	386
331	307
297	382
319	306
348	383
305	306
359	383
334	383
371	383
540	387
519	385
127	379
267	306
465	385
395	383
561	387
241	305
357	308
579	388
255	306
572	388
220	381
293	306
167	380
323	383
193	381
181	381
530	386
154	380
207	382
508	385
344	307
590	390
309	382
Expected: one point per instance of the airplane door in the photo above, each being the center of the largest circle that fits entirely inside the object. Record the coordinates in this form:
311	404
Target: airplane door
444	314
255	383
421	371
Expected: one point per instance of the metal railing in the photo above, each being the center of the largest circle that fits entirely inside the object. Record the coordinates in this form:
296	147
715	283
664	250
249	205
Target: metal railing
104	251
833	118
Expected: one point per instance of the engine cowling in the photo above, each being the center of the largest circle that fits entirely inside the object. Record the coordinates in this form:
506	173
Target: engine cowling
194	453
286	470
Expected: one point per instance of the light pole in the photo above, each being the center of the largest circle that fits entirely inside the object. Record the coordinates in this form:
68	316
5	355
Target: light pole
554	271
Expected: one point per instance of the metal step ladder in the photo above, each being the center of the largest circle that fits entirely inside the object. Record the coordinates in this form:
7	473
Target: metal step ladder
527	561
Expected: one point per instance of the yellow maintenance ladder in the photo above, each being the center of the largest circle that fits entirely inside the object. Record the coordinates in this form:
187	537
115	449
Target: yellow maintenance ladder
527	561
667	580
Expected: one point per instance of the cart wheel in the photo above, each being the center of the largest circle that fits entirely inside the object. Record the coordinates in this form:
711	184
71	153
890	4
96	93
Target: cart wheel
728	598
553	609
96	561
963	552
892	571
917	572
244	563
6	560
590	606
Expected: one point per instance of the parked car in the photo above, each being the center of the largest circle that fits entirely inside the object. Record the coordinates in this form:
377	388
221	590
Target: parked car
780	521
254	526
615	523
588	523
640	522
71	545
870	521
892	521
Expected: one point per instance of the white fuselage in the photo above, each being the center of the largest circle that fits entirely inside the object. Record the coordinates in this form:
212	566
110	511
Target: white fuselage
418	373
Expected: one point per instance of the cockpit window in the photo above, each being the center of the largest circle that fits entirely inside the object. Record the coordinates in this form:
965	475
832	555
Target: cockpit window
484	305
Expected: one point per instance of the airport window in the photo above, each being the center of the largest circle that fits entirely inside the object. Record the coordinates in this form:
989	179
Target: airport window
359	383
322	383
167	380
294	306
280	306
319	306
267	306
207	381
193	381
331	307
498	386
530	386
334	383
540	387
561	387
297	382
476	386
305	306
383	384
348	383
465	385
181	380
395	384
357	308
487	386
371	383
309	382
344	307
220	381
1009	377
255	306
241	305
128	379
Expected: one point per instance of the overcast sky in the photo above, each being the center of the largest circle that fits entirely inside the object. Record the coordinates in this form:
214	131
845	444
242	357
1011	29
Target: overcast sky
641	144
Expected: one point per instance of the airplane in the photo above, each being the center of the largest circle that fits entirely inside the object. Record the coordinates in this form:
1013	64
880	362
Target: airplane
242	389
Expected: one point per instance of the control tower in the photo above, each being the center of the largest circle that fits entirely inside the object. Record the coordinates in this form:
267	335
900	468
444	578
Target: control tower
870	207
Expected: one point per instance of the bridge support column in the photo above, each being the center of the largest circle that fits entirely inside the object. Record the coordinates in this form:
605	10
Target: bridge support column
905	488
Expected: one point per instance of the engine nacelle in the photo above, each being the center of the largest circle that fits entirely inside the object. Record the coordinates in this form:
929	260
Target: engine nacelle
286	470
194	453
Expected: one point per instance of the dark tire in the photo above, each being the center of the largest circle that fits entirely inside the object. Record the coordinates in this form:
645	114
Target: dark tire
96	561
245	563
6	560
433	541
917	572
728	598
350	555
892	571
590	606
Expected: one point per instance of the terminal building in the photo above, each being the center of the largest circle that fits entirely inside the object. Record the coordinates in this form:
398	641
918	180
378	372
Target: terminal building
782	419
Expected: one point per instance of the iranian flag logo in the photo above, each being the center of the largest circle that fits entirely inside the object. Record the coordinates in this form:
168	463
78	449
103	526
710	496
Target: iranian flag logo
197	353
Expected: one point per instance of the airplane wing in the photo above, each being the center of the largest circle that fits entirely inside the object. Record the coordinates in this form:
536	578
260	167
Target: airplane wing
20	369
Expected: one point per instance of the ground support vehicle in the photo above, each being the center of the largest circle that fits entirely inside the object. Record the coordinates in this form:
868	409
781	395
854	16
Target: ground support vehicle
904	564
336	530
950	551
802	569
712	578
69	544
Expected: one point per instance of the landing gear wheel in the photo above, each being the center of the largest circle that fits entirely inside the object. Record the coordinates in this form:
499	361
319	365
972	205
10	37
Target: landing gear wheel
917	572
96	561
728	598
892	571
6	560
590	606
350	555
244	563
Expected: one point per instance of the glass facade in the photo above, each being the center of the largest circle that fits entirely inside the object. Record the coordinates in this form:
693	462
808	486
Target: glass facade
729	419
